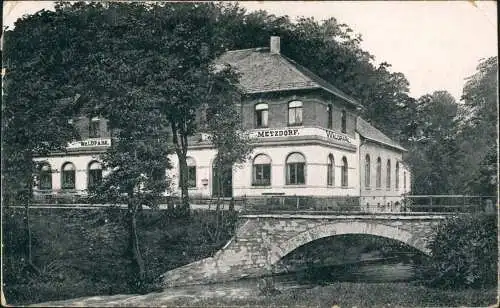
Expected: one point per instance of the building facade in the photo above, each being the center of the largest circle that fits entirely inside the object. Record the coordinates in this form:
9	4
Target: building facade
308	138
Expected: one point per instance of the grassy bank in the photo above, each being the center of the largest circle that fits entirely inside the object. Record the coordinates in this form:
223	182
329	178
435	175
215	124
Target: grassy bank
83	252
355	295
341	294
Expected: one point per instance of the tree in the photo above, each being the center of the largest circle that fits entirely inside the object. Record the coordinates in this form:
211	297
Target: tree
226	131
151	66
478	131
191	41
38	100
137	160
433	152
119	76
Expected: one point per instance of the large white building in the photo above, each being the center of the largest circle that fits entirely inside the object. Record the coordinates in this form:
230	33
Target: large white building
309	141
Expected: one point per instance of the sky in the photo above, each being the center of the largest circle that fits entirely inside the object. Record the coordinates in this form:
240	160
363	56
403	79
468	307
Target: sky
435	44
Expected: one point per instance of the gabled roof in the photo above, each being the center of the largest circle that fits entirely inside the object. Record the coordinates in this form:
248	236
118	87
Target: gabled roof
262	71
366	130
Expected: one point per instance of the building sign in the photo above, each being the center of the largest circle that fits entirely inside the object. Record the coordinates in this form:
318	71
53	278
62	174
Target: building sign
333	135
278	133
88	143
292	132
301	131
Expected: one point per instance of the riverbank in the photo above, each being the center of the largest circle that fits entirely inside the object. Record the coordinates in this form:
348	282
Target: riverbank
83	252
342	294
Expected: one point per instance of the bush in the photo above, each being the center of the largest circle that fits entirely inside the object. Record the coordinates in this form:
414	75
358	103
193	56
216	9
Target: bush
464	252
83	252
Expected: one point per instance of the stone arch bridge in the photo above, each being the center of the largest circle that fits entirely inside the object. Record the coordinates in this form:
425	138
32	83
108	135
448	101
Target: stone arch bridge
262	240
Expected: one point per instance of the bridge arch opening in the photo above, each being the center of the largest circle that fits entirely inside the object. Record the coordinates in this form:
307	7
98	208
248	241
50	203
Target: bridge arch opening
344	228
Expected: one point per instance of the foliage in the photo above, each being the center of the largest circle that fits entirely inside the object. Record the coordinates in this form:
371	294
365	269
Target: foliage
225	124
465	252
138	156
478	131
453	147
38	100
82	250
433	151
187	41
35	109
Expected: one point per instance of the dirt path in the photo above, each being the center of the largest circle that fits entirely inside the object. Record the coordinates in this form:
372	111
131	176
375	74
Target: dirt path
169	297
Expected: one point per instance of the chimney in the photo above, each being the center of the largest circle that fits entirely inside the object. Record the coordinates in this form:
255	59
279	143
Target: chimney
275	44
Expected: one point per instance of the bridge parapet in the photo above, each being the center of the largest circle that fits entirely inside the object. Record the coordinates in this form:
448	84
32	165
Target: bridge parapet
344	204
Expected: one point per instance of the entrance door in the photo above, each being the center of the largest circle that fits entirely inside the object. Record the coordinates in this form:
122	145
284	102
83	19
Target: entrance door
222	182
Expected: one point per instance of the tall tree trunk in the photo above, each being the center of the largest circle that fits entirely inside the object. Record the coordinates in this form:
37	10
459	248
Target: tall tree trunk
217	208
25	197
184	183
29	237
180	143
135	252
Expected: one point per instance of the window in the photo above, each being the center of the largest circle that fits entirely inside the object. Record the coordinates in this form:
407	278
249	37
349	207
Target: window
261	170
404	181
295	169
94	131
295	113
397	175
388	174
379	173
191	172
345	170
68	176
367	171
330	171
45	177
95	174
329	109
344	121
261	115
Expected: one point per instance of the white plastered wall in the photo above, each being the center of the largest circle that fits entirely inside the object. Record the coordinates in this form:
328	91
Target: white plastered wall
372	195
81	162
316	157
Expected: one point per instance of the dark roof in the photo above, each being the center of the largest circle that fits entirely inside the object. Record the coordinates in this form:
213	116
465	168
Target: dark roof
262	71
369	132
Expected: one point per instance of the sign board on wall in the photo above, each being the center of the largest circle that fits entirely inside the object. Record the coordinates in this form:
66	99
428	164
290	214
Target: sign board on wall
90	143
300	131
292	132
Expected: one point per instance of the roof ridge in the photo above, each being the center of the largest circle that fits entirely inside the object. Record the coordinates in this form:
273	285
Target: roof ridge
320	80
294	67
394	144
248	49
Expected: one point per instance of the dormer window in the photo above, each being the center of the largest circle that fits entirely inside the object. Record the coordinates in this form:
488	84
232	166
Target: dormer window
261	115
94	131
329	112
295	113
344	121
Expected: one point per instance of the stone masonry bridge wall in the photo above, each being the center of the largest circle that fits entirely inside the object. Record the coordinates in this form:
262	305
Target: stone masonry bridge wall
262	240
